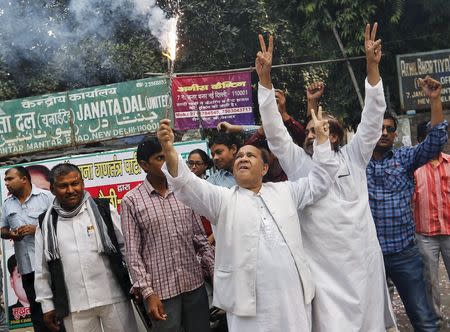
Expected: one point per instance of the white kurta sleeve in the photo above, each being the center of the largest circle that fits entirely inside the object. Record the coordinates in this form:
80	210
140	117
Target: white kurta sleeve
200	195
360	148
306	191
44	294
293	159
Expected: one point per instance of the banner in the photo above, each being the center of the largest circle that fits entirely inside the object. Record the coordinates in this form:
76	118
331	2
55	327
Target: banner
411	67
82	116
204	101
109	175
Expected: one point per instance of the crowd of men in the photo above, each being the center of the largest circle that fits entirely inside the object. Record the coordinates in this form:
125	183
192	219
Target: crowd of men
294	231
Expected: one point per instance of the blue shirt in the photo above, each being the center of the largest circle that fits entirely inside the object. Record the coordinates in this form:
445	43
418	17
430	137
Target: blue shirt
222	178
390	183
15	215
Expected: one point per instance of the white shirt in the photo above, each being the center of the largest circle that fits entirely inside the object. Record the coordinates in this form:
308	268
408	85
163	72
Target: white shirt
339	234
238	222
279	307
89	280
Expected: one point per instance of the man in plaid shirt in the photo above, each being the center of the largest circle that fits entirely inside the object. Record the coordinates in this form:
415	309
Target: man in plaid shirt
390	178
162	238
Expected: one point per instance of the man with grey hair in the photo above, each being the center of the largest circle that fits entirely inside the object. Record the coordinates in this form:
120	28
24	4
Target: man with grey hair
81	277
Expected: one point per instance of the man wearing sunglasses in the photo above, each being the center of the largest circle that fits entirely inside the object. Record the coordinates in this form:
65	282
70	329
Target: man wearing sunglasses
390	179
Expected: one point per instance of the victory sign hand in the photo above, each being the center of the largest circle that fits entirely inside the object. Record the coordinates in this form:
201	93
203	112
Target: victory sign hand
321	126
372	47
263	62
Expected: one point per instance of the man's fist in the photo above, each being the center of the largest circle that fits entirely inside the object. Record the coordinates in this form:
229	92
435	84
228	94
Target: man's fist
430	87
315	90
165	134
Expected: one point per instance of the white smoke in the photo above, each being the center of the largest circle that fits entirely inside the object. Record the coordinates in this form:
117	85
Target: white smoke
31	29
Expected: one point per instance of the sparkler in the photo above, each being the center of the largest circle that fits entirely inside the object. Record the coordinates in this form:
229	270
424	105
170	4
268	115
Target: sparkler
171	53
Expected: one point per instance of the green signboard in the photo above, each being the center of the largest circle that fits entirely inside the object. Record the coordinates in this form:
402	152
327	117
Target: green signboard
82	116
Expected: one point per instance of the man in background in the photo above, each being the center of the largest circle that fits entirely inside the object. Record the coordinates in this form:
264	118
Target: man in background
223	150
20	212
432	217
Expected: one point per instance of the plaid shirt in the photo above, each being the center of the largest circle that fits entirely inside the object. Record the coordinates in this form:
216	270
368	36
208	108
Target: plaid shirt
162	237
391	185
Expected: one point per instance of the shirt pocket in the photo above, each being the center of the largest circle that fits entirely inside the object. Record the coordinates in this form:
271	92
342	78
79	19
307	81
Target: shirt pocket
33	217
14	220
395	179
91	238
345	188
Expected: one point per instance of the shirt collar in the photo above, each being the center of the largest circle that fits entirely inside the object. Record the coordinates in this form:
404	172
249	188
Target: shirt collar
387	154
34	191
148	186
444	157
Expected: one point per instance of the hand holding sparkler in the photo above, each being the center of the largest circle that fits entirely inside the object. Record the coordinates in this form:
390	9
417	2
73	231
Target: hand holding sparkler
263	62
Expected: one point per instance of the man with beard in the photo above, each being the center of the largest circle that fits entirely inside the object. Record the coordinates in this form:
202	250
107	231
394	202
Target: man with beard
338	231
20	212
390	179
81	277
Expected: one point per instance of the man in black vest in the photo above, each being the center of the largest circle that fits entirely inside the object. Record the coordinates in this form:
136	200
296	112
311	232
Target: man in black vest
80	276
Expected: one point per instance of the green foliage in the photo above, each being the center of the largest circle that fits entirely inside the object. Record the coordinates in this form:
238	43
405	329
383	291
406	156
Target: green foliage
222	34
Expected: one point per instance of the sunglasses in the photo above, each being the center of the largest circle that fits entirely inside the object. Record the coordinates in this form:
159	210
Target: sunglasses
191	163
389	129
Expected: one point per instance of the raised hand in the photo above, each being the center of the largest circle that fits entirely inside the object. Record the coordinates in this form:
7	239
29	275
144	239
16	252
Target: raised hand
281	102
165	135
263	62
321	126
372	47
430	87
315	90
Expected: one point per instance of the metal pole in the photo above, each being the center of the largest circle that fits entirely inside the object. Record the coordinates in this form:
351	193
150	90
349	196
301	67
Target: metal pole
349	66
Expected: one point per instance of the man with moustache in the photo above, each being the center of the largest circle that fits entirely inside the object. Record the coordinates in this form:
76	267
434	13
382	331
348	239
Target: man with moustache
20	212
81	277
261	278
338	231
390	180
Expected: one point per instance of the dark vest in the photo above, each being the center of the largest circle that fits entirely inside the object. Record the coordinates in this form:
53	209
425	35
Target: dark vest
117	263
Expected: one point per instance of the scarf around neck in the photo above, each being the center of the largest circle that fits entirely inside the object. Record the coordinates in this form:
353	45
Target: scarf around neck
51	247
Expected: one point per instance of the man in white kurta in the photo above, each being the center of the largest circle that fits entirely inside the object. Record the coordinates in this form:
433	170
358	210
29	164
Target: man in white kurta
261	278
338	231
96	300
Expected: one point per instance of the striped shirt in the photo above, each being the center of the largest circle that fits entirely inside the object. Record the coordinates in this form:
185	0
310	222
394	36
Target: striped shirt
432	197
390	182
222	178
162	237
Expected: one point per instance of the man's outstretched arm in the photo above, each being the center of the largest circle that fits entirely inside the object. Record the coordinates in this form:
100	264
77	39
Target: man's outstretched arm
293	159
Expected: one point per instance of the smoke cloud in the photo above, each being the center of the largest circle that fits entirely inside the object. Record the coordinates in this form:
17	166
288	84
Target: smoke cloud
38	31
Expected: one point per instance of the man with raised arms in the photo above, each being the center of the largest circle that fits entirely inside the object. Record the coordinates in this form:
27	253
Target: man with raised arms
339	235
261	278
